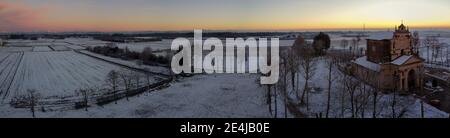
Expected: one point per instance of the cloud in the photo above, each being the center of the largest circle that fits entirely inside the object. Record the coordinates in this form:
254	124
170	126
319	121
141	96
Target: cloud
16	17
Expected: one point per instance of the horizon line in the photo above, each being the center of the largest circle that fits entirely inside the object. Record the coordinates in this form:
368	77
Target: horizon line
237	30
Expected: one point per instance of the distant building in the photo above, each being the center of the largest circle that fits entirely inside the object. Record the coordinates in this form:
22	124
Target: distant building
1	42
391	64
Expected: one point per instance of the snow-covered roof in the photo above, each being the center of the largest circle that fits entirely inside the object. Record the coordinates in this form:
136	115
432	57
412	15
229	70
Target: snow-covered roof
367	64
401	60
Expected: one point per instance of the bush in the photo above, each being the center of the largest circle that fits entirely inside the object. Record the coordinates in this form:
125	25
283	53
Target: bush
321	43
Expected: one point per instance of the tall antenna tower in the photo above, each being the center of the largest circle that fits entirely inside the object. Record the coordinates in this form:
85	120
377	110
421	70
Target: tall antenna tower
363	33
364	27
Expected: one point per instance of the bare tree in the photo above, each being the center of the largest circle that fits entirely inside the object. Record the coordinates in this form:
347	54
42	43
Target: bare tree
112	79
296	53
32	97
85	93
436	51
394	96
342	59
375	92
422	112
148	78
447	60
269	97
362	100
308	67
354	46
330	66
446	55
416	42
431	42
283	84
292	66
344	43
440	53
126	76
365	91
351	87
275	100
343	78
137	79
427	45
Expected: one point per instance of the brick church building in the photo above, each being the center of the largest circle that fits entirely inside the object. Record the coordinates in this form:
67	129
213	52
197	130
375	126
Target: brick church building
391	64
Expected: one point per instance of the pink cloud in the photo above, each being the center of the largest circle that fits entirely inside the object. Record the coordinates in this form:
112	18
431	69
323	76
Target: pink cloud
16	17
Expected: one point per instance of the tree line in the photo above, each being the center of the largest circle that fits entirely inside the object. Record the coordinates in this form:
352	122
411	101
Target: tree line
146	57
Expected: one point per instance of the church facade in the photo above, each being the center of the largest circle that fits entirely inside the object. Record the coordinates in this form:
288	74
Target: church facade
391	64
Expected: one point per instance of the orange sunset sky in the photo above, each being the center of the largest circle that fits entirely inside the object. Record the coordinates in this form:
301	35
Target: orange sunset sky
170	15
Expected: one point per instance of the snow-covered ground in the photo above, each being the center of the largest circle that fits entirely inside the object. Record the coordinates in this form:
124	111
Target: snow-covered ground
53	70
60	48
41	49
85	42
15	49
221	95
9	63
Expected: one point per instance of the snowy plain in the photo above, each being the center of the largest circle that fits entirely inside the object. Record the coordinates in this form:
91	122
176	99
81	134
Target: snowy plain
199	96
52	73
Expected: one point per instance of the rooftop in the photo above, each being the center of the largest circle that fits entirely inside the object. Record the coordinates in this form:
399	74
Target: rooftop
362	61
401	60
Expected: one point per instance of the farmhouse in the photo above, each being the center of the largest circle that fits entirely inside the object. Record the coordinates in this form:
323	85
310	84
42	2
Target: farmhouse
391	64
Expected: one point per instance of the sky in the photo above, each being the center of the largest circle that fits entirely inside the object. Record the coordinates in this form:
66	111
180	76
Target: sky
172	15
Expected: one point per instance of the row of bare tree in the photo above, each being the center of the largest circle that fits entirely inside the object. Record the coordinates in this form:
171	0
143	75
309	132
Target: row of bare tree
128	79
355	97
439	52
296	62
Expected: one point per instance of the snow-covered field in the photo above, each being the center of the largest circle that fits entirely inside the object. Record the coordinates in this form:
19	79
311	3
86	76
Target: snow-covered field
75	47
41	49
222	95
60	48
9	63
85	41
15	49
59	73
52	74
